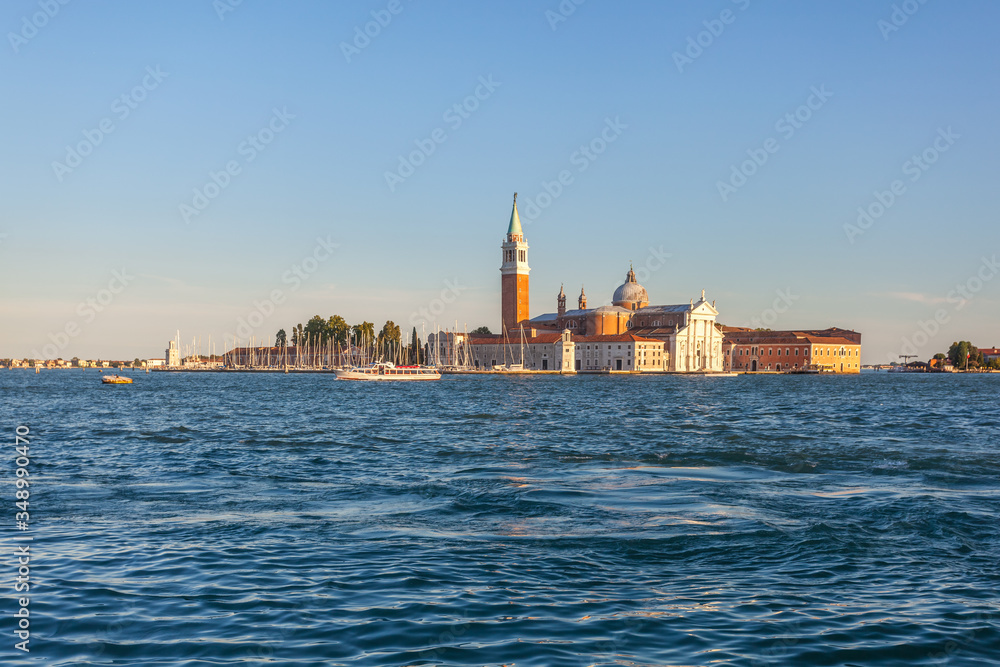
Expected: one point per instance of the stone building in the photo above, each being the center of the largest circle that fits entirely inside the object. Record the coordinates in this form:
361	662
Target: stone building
691	339
567	353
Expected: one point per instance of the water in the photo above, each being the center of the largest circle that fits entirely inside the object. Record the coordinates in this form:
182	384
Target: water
531	521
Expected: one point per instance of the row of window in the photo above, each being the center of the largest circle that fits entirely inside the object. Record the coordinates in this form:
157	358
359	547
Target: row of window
843	352
753	351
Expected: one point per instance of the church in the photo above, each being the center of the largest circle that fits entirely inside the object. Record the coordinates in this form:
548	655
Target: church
672	338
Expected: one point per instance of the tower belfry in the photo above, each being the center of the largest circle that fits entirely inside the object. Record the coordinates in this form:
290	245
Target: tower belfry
514	274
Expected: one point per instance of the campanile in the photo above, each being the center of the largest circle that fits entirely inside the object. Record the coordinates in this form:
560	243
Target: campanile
514	274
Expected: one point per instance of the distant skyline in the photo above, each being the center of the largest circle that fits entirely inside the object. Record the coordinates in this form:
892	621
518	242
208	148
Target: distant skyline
185	165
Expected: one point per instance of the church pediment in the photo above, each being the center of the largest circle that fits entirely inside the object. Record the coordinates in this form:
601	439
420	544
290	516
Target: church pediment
704	308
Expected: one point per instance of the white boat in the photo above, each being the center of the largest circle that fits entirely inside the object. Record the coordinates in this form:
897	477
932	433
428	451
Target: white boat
386	370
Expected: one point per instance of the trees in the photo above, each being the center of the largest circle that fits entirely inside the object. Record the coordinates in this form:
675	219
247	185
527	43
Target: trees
415	351
389	339
961	351
335	329
390	332
315	331
280	338
338	330
362	333
480	330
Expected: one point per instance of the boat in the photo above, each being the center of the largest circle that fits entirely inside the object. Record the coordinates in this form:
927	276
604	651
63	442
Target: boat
386	370
115	379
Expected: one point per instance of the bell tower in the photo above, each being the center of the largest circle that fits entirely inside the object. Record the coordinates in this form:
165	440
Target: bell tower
561	301
582	301
514	274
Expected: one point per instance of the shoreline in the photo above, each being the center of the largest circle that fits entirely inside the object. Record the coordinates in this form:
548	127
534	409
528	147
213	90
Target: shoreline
331	371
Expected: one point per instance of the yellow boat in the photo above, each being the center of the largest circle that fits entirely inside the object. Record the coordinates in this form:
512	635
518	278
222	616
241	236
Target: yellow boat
116	379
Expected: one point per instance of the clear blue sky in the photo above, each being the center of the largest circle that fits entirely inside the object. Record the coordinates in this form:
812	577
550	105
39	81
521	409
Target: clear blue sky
656	186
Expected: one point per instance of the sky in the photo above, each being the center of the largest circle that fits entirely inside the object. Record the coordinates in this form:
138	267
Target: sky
226	169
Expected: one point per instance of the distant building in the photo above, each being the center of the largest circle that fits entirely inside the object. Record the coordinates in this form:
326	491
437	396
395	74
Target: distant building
691	339
565	352
941	365
445	348
173	355
291	356
621	352
155	363
829	350
537	350
990	353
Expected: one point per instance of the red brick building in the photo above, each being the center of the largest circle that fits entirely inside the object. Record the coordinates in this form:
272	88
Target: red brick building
831	350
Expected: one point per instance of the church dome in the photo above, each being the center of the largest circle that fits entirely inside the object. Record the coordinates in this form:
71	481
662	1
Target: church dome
631	294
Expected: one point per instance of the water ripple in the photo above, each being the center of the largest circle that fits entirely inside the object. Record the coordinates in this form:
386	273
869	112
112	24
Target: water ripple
528	521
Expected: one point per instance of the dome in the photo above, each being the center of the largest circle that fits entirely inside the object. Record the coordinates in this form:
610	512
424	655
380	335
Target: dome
631	294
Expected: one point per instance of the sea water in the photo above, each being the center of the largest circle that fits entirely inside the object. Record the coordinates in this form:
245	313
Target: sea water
224	519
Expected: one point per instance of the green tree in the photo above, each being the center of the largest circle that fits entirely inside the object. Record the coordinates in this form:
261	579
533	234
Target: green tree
481	330
280	338
338	329
964	353
315	331
298	337
389	339
415	351
136	363
940	355
362	334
